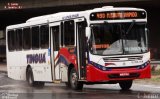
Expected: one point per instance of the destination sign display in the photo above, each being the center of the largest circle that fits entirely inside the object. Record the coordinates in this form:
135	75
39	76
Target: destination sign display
115	15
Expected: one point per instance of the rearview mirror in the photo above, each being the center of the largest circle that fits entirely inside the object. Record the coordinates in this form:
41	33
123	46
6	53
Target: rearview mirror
88	32
147	35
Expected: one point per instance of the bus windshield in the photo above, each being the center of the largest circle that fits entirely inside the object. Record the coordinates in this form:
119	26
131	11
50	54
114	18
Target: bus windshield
118	38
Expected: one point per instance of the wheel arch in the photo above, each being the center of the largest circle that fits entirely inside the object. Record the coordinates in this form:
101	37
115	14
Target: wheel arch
27	68
70	66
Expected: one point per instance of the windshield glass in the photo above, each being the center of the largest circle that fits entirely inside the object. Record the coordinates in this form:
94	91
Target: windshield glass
119	38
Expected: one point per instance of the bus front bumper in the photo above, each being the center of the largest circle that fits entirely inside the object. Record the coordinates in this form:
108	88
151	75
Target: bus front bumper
96	75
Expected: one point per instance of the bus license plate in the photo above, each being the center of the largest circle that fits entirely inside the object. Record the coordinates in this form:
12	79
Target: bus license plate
123	74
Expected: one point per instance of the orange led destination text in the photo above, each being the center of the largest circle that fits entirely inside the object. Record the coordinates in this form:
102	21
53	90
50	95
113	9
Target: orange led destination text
117	15
101	46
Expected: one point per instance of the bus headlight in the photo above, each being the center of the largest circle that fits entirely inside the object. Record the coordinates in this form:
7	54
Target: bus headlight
143	65
100	66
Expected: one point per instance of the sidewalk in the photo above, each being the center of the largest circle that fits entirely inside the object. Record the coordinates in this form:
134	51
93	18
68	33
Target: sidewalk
3	67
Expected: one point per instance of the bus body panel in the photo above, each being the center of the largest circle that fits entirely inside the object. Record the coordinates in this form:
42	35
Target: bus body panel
65	59
97	71
95	75
38	60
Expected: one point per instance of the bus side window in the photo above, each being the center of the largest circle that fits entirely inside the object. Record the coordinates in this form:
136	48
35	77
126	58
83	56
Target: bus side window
19	39
44	36
11	40
69	33
26	38
35	37
55	31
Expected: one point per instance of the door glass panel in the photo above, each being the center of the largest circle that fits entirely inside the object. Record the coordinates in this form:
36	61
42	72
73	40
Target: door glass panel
55	31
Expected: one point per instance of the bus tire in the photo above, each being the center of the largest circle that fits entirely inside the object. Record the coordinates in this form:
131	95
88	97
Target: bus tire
125	85
30	78
73	78
68	85
39	84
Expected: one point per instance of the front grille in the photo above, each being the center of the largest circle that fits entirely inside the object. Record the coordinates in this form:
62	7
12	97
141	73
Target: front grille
120	59
131	75
126	67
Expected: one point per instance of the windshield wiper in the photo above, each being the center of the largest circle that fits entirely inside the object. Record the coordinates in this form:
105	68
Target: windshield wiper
125	33
130	27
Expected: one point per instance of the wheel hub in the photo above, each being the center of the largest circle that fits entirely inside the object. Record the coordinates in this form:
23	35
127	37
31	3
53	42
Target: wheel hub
74	78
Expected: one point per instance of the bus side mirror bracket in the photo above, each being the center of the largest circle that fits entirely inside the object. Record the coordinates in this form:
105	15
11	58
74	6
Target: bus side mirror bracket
147	34
147	31
88	33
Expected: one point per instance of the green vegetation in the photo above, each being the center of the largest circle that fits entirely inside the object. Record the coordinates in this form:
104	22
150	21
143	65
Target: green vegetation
155	73
155	78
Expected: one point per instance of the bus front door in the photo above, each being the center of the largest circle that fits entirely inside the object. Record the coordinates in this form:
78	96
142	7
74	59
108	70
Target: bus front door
54	38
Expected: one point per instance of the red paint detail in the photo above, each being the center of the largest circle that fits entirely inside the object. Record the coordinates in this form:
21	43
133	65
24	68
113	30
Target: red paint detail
96	75
57	57
71	58
106	64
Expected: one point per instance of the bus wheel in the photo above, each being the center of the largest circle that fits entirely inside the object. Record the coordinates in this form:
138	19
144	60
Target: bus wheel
29	77
68	85
39	84
125	85
75	84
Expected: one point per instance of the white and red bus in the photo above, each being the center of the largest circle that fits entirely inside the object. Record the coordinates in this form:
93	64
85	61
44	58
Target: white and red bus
97	46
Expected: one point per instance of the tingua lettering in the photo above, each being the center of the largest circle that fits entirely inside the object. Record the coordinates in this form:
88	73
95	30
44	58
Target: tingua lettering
36	58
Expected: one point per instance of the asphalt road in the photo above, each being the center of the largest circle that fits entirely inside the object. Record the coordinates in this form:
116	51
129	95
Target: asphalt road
12	89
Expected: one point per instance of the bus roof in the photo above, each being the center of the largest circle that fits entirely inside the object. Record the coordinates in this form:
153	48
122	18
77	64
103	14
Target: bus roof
64	15
61	14
47	17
